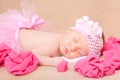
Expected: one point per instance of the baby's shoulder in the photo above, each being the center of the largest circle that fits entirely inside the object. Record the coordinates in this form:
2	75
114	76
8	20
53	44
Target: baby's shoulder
32	38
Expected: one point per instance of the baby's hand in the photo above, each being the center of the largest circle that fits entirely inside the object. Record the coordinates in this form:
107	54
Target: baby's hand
57	60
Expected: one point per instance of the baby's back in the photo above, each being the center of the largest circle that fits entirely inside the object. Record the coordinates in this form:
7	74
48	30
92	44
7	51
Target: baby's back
44	43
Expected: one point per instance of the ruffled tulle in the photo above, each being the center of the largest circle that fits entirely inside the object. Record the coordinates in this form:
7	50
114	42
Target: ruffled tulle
13	20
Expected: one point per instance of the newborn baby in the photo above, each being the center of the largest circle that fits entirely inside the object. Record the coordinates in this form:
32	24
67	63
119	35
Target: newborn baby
22	34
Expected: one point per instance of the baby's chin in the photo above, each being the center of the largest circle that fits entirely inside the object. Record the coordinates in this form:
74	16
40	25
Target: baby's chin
72	56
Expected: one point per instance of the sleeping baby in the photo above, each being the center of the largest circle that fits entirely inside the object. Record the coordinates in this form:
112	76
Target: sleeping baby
21	32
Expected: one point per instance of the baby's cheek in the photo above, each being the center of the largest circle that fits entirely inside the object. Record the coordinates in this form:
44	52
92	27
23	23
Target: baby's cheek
63	50
73	55
85	51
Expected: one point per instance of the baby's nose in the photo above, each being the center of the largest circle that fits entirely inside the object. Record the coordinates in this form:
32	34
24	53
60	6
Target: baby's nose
73	47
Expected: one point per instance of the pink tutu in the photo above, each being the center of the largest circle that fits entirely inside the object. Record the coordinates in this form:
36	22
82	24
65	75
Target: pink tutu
10	24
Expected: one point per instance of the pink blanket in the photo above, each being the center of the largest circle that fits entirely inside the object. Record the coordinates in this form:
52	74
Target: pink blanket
93	67
4	52
17	63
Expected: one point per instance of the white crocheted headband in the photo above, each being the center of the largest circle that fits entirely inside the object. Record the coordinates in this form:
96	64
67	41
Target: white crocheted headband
92	32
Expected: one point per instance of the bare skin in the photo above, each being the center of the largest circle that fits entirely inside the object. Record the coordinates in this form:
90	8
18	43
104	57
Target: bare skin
73	45
49	46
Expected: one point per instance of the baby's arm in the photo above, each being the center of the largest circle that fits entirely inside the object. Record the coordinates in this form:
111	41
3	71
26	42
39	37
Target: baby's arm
48	61
42	44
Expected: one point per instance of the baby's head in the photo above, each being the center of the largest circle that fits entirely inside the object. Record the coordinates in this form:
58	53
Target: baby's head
83	38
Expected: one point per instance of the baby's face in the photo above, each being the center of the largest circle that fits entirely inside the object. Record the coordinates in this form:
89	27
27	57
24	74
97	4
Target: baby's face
73	44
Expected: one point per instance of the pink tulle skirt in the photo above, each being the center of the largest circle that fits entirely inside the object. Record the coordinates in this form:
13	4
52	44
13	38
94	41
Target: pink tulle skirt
10	24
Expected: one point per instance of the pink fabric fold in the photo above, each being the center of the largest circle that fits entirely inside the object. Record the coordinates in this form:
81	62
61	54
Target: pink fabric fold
17	63
4	52
90	66
21	63
112	64
62	66
111	48
111	44
111	55
107	55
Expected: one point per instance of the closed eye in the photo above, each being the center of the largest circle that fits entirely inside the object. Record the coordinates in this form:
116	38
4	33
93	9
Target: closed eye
77	37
